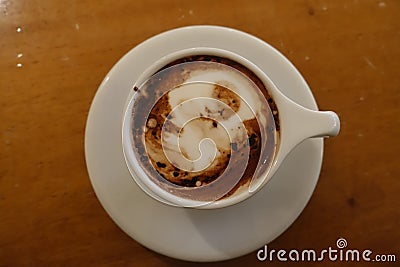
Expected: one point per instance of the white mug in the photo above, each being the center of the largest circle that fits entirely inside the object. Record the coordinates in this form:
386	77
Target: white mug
296	124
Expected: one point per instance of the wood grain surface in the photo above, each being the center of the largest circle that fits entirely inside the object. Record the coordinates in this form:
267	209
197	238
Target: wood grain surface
54	54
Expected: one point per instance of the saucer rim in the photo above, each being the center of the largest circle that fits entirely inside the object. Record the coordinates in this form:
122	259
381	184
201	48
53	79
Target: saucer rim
104	91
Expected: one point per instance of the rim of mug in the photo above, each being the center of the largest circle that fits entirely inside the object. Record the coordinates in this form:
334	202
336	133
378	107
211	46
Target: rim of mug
136	172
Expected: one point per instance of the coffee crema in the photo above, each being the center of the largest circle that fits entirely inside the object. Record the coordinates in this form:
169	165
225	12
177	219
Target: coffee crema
203	126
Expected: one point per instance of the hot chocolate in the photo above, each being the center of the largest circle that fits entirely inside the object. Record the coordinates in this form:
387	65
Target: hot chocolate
200	126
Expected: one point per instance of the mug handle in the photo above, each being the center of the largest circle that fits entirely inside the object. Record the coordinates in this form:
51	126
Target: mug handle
299	123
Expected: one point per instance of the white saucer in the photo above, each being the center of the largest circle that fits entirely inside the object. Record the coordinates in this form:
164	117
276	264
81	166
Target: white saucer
189	234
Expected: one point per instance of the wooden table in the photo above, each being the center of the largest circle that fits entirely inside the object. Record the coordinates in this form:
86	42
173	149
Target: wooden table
54	54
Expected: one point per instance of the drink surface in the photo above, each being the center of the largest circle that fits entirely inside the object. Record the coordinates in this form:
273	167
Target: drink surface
203	126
